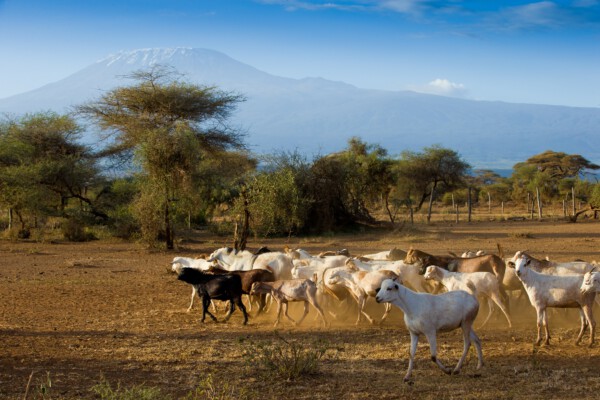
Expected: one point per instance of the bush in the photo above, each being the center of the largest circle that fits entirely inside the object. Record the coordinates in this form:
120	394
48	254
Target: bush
74	231
285	359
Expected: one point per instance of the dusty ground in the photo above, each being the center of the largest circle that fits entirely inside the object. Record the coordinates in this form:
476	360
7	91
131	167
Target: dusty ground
81	313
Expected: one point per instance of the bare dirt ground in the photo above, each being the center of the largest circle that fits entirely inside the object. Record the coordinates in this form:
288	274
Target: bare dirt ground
81	313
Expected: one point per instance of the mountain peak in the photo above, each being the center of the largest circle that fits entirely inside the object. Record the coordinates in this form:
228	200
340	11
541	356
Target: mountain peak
151	56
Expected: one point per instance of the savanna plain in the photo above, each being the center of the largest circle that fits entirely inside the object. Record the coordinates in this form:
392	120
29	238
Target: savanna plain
74	315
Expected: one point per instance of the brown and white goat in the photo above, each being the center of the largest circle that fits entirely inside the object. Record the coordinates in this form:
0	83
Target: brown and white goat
284	291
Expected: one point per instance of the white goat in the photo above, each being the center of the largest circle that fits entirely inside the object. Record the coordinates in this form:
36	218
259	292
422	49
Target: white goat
200	264
297	254
277	262
553	267
408	273
429	314
591	282
362	285
284	291
484	283
555	291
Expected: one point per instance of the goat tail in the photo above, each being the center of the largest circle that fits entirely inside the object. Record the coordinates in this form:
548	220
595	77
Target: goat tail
472	287
500	250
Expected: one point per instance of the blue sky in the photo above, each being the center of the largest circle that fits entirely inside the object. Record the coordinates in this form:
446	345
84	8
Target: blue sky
545	52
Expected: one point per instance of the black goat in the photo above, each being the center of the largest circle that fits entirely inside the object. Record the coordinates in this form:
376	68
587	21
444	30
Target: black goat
215	287
248	278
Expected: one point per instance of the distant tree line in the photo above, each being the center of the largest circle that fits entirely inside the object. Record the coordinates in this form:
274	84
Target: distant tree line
169	160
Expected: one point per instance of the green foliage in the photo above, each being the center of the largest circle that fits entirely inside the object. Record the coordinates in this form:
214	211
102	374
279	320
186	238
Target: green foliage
285	359
275	203
344	186
559	165
43	168
460	197
118	199
595	196
435	169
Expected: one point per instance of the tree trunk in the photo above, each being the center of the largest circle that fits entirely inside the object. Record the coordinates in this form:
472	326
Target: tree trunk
532	206
489	203
386	202
573	199
456	210
430	206
239	240
10	218
168	227
578	213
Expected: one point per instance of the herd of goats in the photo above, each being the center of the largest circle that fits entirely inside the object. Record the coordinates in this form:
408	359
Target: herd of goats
411	280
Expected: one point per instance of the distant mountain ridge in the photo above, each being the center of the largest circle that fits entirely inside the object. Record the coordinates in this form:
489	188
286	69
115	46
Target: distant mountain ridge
317	116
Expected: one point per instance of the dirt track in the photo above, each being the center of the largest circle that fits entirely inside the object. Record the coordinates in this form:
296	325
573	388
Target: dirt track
86	312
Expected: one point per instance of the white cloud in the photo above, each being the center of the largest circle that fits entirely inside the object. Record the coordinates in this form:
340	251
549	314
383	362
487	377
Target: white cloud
442	87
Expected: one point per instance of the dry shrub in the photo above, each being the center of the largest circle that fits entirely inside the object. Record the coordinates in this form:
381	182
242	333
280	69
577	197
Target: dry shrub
288	360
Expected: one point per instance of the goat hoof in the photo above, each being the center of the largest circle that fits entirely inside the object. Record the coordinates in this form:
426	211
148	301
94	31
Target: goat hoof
456	372
408	381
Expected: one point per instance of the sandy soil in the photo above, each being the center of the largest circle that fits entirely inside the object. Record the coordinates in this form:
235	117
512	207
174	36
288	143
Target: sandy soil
81	313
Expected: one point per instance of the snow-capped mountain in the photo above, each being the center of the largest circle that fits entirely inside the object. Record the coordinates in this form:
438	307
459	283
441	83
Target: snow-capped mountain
317	116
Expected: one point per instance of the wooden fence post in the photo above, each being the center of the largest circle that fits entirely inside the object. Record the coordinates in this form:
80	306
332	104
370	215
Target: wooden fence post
539	203
469	204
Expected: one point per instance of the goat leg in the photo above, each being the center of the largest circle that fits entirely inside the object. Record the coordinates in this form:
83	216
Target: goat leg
432	339
303	315
205	304
285	312
414	340
241	306
466	328
231	309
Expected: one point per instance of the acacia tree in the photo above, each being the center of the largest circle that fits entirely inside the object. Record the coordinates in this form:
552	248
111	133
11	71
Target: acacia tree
559	165
43	167
168	126
420	175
